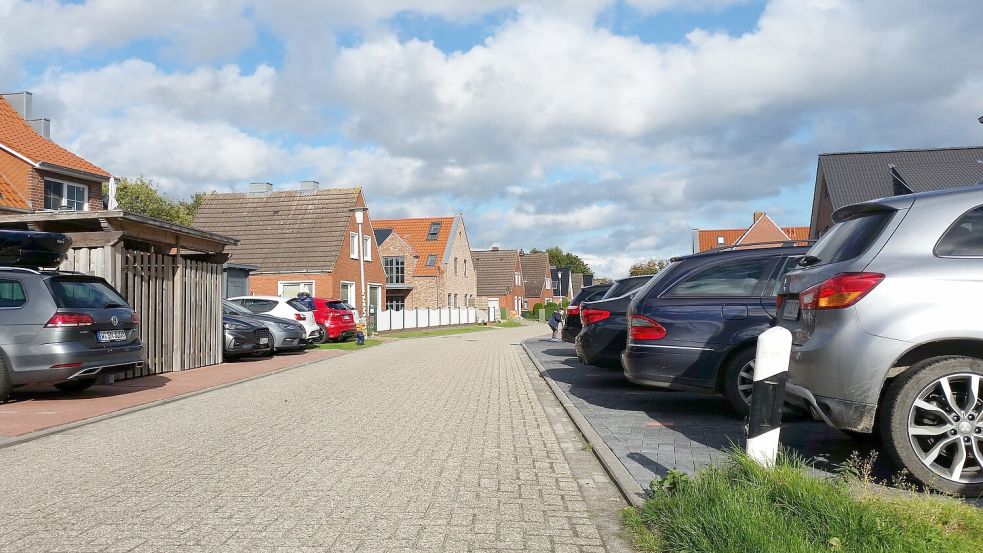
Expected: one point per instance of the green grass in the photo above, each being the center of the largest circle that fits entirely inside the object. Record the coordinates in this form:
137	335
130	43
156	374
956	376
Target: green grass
507	324
350	345
437	332
743	507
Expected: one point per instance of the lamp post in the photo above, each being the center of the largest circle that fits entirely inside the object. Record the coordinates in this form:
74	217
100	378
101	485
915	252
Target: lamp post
359	219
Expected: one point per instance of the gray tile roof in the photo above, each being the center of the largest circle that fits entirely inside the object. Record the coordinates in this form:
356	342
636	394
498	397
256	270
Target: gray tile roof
535	269
853	177
495	270
288	231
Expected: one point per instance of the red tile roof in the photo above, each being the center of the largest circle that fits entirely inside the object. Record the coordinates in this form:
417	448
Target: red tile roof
17	135
414	231
9	196
763	230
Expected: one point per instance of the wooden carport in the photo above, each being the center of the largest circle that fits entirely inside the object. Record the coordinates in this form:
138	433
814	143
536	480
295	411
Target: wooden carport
170	274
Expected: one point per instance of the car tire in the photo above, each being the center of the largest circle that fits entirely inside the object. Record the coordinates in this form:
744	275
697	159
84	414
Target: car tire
324	339
736	380
5	384
76	385
917	403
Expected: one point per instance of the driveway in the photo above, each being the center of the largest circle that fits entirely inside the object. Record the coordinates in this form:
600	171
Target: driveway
653	431
437	444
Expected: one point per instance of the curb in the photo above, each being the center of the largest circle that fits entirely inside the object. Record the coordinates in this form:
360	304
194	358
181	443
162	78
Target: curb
31	436
629	487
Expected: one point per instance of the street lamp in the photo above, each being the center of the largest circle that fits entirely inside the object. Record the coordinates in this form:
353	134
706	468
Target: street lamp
359	219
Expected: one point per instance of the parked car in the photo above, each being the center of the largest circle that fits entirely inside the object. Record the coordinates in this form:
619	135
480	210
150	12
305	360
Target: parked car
887	333
285	308
246	336
335	318
62	328
606	340
571	317
287	334
695	325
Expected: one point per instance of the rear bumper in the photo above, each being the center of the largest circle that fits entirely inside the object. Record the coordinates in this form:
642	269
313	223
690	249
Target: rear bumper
336	331
569	332
56	362
599	344
668	367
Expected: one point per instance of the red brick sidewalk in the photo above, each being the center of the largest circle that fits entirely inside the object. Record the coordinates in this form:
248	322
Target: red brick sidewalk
34	408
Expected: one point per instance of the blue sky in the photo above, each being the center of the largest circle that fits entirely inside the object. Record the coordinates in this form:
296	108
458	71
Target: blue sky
607	127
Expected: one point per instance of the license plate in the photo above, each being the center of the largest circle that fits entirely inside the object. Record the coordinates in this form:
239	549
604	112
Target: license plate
111	335
790	310
264	341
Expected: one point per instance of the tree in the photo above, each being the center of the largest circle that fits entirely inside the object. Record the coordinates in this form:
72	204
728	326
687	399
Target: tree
560	258
143	197
650	266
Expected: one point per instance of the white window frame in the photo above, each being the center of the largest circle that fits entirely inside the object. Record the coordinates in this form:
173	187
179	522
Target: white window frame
518	278
64	193
368	296
367	247
351	299
280	284
353	245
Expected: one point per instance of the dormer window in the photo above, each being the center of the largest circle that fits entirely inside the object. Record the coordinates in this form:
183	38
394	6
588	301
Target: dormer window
64	196
720	240
433	231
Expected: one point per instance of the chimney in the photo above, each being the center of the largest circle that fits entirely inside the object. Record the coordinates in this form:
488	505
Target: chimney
494	248
758	215
21	101
41	126
309	185
522	252
260	188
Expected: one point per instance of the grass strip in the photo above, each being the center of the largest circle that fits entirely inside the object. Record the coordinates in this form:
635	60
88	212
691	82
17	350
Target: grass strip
789	508
438	332
349	345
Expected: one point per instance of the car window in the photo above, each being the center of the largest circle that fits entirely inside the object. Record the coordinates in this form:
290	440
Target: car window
965	237
295	303
232	308
74	293
595	295
11	294
257	306
336	305
728	279
788	264
622	287
849	239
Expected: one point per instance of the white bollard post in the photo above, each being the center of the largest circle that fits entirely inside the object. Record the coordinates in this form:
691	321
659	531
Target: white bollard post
768	394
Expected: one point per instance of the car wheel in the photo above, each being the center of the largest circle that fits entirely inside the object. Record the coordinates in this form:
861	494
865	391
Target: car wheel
738	381
932	425
324	339
76	385
5	384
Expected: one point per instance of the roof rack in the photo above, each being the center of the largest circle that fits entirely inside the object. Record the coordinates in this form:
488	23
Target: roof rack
21	270
39	270
751	246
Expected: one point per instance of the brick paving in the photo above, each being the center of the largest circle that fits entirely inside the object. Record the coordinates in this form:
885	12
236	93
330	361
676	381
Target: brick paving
438	444
652	431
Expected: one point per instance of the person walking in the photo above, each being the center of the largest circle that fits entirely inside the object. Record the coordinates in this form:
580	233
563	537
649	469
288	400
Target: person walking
306	300
555	325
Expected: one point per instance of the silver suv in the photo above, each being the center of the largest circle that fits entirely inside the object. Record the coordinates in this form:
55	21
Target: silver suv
886	315
63	328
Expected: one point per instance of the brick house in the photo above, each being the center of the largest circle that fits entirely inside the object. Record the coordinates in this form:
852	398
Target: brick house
763	229
500	278
35	173
536	278
299	240
427	262
851	177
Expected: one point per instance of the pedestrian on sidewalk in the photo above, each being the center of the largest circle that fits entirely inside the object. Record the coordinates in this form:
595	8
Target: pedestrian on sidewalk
555	325
360	334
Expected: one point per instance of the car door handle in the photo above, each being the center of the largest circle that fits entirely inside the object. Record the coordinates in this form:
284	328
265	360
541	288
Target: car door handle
734	312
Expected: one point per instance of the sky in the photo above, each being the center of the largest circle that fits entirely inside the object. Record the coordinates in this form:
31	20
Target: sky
610	128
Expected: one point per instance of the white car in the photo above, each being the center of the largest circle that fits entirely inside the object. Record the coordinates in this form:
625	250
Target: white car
286	308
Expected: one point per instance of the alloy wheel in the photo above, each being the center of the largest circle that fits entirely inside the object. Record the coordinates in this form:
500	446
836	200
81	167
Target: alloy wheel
945	427
745	381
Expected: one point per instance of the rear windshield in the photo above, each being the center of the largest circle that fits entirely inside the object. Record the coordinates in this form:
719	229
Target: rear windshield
74	293
336	305
230	307
295	303
588	294
622	287
851	238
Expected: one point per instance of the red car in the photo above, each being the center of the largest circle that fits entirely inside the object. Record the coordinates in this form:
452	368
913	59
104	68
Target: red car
335	319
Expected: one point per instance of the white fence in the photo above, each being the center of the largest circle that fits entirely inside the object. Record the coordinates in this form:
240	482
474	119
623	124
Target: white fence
424	318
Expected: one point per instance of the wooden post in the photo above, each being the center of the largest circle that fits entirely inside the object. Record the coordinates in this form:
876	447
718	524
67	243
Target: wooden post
179	311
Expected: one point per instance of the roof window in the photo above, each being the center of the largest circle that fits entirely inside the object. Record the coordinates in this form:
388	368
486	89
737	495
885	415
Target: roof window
434	230
431	260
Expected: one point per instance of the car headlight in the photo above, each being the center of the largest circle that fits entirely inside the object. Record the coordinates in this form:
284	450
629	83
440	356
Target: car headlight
235	326
286	326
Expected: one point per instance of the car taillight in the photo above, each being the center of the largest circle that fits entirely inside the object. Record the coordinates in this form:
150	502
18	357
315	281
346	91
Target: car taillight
840	291
64	320
591	316
299	316
135	318
779	300
644	328
573	310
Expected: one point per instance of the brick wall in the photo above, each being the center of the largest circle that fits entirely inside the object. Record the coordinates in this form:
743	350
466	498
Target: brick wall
347	269
395	246
463	282
36	185
266	284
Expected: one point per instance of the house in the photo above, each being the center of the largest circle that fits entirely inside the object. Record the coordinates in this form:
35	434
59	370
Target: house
427	262
35	173
500	278
850	177
763	229
300	240
536	278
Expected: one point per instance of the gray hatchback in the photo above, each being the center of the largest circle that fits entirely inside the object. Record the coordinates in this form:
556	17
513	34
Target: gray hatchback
63	328
885	315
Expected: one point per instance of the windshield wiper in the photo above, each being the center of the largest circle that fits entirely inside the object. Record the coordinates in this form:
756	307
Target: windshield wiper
809	260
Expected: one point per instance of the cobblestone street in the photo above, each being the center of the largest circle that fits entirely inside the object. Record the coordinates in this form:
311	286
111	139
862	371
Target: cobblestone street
446	444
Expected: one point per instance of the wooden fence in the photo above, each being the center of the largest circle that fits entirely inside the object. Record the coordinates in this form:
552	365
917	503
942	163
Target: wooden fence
178	300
